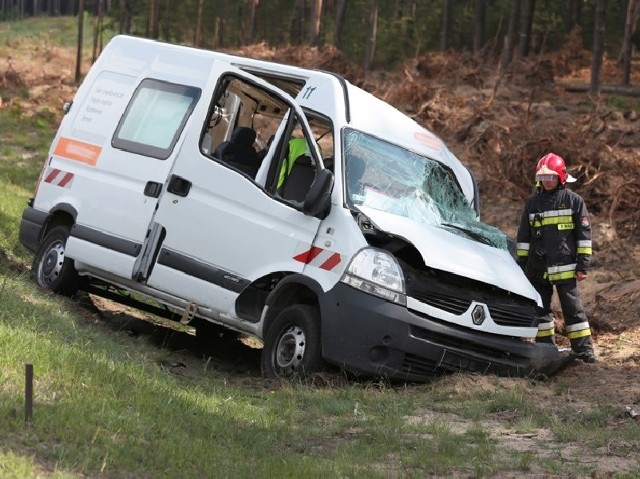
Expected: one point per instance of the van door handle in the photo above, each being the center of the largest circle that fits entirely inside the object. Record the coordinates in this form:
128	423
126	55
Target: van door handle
152	189
179	186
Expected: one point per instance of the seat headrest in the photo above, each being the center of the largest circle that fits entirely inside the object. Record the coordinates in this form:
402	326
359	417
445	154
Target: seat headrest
243	135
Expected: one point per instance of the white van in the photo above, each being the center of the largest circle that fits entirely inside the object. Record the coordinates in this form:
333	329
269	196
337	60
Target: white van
282	203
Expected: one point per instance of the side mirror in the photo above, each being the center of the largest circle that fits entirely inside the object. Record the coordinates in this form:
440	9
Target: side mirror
318	201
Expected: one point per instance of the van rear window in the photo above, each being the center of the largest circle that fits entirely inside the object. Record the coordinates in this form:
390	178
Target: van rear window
155	117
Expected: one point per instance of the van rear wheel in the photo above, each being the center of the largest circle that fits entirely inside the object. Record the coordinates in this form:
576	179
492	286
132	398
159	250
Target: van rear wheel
51	268
292	345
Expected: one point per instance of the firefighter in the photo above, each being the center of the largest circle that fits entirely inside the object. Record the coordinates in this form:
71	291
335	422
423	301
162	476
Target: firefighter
554	249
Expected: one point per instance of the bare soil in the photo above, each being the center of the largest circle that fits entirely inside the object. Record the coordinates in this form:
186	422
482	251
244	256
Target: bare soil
499	124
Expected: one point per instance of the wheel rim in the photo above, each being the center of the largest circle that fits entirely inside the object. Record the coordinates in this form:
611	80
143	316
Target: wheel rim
290	350
51	265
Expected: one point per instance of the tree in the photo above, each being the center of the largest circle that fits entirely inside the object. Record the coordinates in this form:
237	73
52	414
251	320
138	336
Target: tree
575	14
80	34
341	8
629	28
527	23
598	46
197	40
253	19
479	14
316	17
371	40
97	31
152	24
511	34
125	17
445	31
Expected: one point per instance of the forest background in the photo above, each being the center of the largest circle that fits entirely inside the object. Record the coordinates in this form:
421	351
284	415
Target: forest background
375	34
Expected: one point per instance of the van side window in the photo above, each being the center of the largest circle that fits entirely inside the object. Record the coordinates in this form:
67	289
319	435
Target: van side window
155	117
243	118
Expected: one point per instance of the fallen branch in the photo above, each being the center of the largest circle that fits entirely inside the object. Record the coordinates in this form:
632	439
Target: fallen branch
617	89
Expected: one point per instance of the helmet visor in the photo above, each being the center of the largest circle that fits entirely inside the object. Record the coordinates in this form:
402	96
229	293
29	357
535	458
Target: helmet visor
546	177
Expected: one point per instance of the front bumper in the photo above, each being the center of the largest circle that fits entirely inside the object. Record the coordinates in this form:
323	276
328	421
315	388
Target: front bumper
370	336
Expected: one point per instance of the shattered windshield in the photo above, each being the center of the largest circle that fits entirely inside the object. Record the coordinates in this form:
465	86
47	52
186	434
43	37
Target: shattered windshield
390	178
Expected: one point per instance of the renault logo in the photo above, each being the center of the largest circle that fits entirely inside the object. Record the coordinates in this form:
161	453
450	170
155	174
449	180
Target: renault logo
478	315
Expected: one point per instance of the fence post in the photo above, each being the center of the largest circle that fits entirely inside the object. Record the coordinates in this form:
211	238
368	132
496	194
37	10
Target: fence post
28	392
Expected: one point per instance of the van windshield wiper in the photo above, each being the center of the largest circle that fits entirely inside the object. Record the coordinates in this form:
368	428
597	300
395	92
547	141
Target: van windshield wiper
471	234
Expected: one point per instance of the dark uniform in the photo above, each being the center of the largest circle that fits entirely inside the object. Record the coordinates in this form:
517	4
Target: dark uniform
553	243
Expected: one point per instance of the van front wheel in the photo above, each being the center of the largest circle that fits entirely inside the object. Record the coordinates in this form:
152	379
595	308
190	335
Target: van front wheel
51	268
292	345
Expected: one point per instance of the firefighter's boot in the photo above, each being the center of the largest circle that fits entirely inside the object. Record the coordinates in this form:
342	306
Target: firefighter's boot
583	349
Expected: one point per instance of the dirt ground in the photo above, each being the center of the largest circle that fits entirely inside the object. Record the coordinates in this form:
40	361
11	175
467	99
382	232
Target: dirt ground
499	124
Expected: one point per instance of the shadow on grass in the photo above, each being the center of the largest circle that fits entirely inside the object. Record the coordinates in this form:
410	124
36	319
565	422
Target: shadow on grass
224	352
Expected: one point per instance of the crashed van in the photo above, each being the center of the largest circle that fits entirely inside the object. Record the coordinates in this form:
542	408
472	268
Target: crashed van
281	203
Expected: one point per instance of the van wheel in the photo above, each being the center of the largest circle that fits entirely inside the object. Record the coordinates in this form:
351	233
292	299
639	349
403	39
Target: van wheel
52	269
292	345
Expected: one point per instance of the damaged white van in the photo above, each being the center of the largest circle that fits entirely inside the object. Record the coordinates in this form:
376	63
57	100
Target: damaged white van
282	203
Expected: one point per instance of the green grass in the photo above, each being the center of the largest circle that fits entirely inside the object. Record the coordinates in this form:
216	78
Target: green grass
108	404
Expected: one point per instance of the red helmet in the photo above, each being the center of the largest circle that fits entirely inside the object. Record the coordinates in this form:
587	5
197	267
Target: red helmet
553	165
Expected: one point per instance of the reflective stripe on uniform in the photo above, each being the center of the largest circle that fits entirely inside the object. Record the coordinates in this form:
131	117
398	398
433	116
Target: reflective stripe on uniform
552	217
565	271
522	249
584	247
545	329
578	330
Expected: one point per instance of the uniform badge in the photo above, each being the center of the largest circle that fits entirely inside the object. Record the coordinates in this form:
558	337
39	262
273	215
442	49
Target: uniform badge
585	221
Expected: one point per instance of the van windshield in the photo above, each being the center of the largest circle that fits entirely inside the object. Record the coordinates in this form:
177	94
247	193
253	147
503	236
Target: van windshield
390	178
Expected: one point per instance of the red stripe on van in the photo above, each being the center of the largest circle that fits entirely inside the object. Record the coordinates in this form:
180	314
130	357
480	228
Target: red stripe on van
308	256
59	178
332	262
53	173
66	179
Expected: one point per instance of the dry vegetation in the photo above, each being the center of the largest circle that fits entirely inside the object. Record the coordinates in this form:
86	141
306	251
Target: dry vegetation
499	123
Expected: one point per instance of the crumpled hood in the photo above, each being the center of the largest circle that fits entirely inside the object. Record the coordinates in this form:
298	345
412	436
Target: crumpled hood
450	252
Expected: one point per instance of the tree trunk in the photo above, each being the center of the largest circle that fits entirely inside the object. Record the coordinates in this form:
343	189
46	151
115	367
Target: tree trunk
371	41
511	34
446	25
247	21
101	12
80	32
615	89
478	25
97	31
575	14
629	29
340	11
316	17
123	17
218	33
598	46
152	28
197	37
527	22
298	21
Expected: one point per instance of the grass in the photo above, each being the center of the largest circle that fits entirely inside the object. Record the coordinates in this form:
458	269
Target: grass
108	403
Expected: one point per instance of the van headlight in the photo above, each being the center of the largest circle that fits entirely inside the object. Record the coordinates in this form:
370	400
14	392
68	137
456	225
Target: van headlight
376	272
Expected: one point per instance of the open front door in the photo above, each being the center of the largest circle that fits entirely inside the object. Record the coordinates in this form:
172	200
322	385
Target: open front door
223	222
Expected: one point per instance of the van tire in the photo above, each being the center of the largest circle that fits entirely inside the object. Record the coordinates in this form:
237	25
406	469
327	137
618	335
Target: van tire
292	346
51	268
